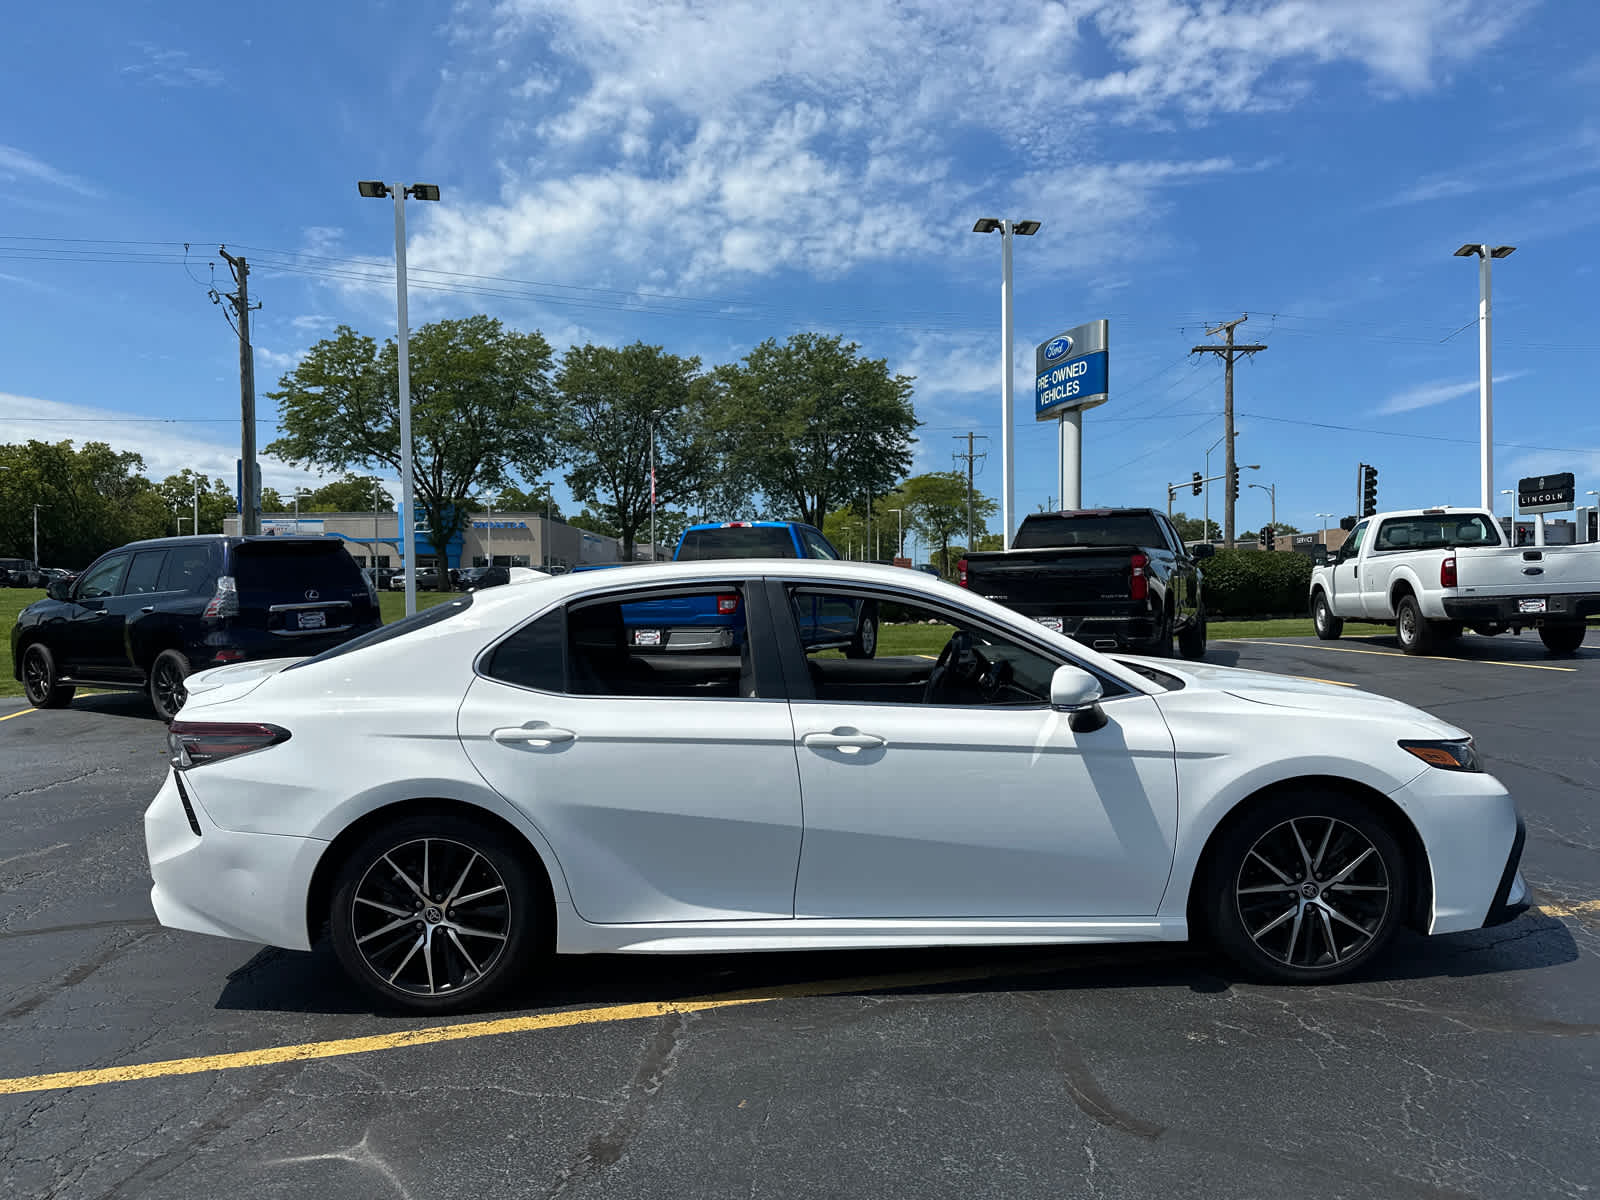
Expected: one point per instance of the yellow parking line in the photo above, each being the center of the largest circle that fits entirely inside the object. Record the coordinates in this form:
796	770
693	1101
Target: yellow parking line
1487	662
1560	908
24	712
1335	682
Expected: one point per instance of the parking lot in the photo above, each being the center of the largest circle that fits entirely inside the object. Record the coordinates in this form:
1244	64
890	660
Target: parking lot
1461	1066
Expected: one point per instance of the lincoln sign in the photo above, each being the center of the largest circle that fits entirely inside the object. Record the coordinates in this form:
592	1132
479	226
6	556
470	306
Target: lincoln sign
1547	493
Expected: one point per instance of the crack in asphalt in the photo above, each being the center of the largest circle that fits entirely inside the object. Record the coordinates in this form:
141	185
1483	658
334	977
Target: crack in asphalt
74	976
55	783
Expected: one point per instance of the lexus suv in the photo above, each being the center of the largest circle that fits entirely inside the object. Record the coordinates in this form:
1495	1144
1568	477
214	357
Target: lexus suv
144	616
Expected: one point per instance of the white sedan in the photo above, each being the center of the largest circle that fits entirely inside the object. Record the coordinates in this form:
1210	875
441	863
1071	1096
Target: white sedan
457	795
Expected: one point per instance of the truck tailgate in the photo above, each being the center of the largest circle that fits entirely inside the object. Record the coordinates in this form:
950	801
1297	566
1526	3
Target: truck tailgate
1530	570
1053	582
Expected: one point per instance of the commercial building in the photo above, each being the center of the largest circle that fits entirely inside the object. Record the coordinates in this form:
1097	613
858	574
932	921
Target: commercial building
498	539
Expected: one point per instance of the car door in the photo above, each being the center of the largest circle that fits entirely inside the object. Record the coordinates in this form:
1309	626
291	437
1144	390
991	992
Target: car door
975	802
665	783
1344	576
91	642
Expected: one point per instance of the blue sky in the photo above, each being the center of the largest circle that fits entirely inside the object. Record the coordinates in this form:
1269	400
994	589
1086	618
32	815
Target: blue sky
707	175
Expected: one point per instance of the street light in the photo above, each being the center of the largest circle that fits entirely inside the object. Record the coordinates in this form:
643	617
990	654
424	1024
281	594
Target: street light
374	189
1485	373
899	531
1324	517
654	413
1006	229
297	492
1271	489
37	507
1206	528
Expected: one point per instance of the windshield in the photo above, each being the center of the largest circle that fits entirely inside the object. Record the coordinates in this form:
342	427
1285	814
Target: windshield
1047	530
744	541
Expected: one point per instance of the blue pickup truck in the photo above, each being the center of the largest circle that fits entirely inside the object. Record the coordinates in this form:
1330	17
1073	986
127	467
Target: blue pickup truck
716	625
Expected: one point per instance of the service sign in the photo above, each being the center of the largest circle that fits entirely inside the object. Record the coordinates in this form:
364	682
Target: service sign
1071	370
1547	493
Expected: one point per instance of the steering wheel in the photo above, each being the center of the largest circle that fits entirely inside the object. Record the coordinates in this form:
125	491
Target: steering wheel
956	658
993	678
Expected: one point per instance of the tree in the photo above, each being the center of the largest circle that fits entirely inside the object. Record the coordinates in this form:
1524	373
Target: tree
593	522
271	501
534	500
216	501
846	530
481	401
612	403
936	507
811	424
351	494
1195	529
91	500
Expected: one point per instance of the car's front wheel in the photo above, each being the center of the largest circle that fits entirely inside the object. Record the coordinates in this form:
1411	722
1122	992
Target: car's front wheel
1328	626
39	679
865	642
434	913
1308	887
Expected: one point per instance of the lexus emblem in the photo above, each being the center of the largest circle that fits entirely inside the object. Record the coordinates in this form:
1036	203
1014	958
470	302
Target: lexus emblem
313	594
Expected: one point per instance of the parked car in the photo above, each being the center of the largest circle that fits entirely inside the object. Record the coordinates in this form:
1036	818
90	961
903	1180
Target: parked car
1114	578
148	614
1433	572
566	790
20	573
427	580
472	578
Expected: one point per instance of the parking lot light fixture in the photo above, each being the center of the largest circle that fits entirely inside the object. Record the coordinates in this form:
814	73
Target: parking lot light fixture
1007	230
1485	254
1324	518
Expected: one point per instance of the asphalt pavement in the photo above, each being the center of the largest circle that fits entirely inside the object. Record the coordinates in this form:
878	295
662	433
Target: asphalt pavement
1460	1066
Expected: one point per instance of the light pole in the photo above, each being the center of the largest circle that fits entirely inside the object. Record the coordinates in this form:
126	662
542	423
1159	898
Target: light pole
297	492
1271	489
1007	230
654	413
899	530
377	491
489	530
36	509
1583	534
1511	527
1324	517
196	528
1485	370
376	190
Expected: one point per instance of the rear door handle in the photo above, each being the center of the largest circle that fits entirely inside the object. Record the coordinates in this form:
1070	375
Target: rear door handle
849	743
534	733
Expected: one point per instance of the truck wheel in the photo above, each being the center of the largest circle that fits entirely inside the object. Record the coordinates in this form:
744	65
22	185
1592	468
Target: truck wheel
39	679
865	642
1562	639
1413	631
1192	641
1329	627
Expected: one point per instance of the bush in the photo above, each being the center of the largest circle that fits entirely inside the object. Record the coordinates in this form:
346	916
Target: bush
1256	583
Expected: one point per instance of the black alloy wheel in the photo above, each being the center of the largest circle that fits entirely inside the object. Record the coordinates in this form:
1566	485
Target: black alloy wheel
166	684
39	677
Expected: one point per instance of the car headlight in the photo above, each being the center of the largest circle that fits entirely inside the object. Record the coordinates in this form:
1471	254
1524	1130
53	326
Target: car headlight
1460	755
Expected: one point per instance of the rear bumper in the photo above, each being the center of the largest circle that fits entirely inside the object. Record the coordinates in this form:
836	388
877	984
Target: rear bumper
1502	610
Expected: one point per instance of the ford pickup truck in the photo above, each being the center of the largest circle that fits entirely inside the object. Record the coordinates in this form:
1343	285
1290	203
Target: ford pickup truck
1433	572
1113	578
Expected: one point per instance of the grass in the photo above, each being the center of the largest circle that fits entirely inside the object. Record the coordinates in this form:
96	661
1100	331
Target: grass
392	605
1287	627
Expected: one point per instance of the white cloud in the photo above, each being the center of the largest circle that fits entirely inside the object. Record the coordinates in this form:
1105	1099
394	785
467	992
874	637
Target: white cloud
1439	392
19	164
170	68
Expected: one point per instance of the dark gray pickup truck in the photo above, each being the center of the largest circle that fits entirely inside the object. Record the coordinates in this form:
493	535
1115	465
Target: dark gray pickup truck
1113	578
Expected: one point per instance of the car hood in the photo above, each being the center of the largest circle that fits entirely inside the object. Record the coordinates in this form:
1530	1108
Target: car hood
1306	695
218	685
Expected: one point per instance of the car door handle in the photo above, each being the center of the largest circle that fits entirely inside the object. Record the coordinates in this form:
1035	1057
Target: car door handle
96	613
849	743
148	608
535	733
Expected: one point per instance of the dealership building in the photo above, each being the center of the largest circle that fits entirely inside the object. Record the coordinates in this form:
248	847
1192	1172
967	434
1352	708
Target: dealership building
497	539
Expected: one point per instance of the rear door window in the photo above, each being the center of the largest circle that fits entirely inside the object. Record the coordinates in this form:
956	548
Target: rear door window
189	569
747	541
145	574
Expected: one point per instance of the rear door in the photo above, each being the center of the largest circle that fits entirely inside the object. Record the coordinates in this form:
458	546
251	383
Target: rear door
300	590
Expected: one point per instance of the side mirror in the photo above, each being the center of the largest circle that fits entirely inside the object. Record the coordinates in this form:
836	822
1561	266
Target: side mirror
59	589
1202	551
1073	689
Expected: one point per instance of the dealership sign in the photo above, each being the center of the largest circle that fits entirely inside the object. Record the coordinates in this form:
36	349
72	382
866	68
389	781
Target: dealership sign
1547	493
499	524
1071	370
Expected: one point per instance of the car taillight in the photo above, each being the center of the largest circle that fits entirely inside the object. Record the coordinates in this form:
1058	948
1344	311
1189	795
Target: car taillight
225	601
1447	572
961	572
195	743
1138	584
728	603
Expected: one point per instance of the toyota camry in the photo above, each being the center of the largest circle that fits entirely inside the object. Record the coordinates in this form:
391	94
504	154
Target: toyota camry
512	776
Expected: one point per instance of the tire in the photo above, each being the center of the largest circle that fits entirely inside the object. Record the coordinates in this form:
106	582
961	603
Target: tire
1192	641
1414	633
460	968
865	642
1258	911
164	683
1328	626
1562	639
39	677
1162	646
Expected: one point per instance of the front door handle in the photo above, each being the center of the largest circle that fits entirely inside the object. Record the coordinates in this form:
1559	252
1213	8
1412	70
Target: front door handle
534	733
148	608
96	613
848	742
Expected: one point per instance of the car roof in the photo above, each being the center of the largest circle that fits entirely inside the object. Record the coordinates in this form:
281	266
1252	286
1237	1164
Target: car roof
212	539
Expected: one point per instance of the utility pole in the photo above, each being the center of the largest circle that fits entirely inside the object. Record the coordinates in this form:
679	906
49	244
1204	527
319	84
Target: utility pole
1228	352
36	509
239	301
970	457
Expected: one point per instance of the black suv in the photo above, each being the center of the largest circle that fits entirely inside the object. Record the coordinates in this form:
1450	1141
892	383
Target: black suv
146	615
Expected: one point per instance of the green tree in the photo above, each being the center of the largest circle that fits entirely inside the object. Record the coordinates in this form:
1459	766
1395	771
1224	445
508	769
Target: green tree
481	402
936	507
534	500
810	424
1194	529
612	403
271	501
351	494
91	499
216	501
593	522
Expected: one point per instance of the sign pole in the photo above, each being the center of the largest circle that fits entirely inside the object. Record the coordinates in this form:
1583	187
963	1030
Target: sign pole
1071	438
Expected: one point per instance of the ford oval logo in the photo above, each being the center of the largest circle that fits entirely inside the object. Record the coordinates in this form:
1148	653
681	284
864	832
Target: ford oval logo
1057	348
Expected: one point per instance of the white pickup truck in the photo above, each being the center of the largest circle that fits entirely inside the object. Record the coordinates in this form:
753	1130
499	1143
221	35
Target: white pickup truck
1432	572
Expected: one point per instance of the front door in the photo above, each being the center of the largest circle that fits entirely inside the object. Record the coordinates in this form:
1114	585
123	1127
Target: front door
664	782
91	642
1344	577
955	791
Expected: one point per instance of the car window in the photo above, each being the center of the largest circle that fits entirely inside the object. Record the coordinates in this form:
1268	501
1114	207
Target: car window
188	569
144	575
817	545
282	572
1442	531
104	580
534	656
455	606
737	541
1352	545
683	644
1047	530
984	666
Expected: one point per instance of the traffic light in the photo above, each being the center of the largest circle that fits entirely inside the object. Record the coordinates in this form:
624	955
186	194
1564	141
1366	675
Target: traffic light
1268	537
1369	491
1347	523
1198	485
1233	483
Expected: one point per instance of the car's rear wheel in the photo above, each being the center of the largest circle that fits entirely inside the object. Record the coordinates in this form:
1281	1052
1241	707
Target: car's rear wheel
1308	887
1412	630
865	642
1328	626
434	913
1562	639
39	676
166	686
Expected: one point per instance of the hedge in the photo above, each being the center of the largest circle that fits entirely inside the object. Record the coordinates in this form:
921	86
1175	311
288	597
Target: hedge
1256	583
